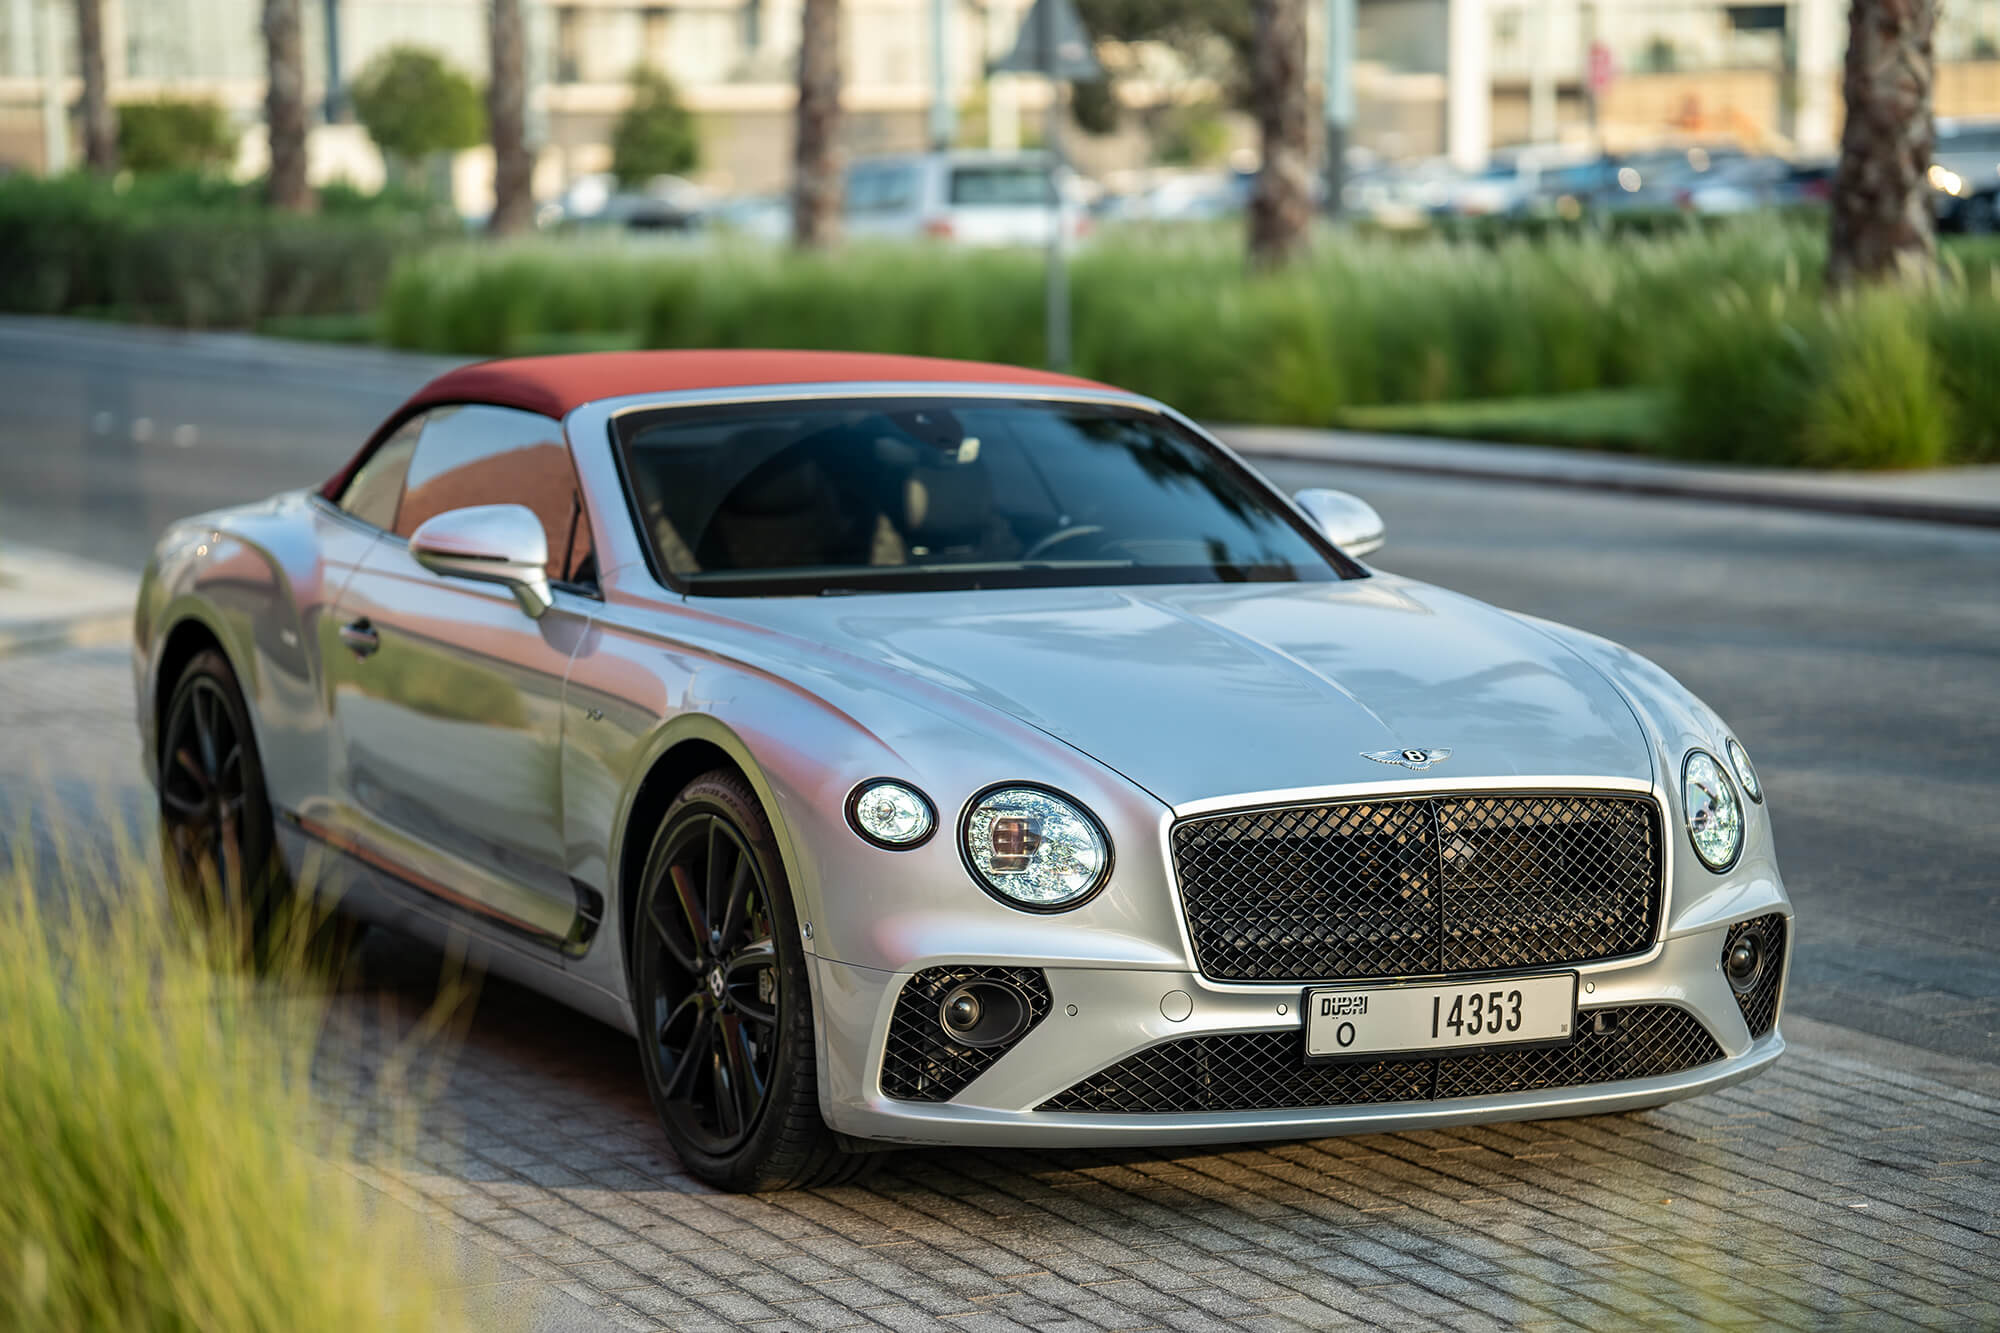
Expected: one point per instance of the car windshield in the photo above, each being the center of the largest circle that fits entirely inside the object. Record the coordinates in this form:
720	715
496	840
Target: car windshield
1002	185
866	495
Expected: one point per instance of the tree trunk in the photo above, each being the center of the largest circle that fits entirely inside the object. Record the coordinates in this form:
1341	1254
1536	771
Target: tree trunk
100	124
816	159
1281	206
506	110
285	107
1882	223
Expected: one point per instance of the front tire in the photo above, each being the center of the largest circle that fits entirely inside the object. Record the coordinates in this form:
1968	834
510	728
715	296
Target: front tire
218	840
723	1000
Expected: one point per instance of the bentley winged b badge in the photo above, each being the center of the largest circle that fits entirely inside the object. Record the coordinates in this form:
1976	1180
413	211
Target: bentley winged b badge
1419	759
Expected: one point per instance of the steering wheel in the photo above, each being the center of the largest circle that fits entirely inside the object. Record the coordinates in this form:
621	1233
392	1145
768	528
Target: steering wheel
1058	537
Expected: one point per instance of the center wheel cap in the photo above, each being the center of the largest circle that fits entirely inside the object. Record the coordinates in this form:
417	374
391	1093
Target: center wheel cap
715	986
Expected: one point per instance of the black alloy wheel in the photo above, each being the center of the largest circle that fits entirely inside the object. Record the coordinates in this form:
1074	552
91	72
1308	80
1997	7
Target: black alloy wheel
215	820
720	991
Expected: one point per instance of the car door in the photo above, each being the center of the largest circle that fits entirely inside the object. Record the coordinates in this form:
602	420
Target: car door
447	696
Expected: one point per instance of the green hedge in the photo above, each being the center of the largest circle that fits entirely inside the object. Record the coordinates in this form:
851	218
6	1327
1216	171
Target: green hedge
191	253
1727	321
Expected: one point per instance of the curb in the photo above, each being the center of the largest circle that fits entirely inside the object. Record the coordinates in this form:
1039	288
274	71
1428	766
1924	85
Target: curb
54	636
50	602
1616	476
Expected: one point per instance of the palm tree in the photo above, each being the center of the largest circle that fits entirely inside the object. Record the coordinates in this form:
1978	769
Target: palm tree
285	107
100	123
816	159
1882	225
1281	205
506	110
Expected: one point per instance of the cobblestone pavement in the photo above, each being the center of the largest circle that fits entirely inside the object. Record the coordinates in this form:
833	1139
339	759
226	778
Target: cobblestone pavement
1832	1192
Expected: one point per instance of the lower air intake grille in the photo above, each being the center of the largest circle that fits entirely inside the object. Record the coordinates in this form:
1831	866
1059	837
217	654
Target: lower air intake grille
1259	1071
1759	1000
922	1064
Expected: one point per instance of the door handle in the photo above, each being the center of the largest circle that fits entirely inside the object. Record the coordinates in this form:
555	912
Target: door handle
360	636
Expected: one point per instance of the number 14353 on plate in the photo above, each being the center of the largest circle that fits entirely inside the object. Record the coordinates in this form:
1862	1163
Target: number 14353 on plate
1373	1020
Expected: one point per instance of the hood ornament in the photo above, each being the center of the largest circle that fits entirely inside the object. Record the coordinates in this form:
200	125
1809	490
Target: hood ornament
1418	759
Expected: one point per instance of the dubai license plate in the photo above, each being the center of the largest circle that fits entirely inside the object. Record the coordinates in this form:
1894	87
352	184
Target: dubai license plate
1343	1021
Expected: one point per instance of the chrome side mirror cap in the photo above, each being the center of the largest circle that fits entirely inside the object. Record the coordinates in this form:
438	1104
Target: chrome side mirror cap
1348	521
501	544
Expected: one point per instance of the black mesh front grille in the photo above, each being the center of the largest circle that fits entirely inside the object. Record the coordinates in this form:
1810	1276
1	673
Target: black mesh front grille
1760	1002
1260	1071
1420	886
920	1063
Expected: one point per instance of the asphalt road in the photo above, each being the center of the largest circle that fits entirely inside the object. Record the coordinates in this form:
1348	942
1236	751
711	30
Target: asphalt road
1858	659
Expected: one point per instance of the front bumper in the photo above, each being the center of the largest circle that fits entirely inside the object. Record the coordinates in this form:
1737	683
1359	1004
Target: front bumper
1099	1016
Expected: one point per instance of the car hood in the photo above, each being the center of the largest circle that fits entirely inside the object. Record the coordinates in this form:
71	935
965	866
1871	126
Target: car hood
1221	690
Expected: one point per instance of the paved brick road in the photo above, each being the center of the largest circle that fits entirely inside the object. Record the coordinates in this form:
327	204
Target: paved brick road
1833	1192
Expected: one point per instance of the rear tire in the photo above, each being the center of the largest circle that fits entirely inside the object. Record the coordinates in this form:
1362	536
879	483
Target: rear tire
724	1002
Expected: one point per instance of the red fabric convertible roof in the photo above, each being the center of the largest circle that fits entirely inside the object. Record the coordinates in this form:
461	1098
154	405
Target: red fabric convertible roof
555	385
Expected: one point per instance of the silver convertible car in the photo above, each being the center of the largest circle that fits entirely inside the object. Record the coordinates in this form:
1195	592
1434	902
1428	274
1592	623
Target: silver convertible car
911	751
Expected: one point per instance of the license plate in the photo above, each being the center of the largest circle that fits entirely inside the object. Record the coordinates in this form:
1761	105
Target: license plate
1343	1021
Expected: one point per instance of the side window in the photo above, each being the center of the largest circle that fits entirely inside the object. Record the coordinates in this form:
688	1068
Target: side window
376	486
495	455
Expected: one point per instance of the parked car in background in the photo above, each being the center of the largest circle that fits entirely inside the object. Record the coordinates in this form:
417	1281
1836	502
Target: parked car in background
755	217
910	751
663	204
1965	175
967	197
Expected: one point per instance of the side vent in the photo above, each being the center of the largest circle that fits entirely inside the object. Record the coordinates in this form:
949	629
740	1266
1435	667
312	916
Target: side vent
952	1023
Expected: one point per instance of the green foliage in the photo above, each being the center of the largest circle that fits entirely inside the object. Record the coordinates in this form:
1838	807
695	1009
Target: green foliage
413	104
175	134
1093	106
1773	379
167	1164
189	251
1716	336
1195	135
657	135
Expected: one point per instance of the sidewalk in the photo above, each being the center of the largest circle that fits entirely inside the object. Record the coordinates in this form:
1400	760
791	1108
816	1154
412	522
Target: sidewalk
1962	495
50	601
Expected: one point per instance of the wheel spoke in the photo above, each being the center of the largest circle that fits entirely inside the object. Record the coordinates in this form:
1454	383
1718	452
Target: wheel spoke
746	1089
687	950
713	886
192	767
736	909
680	1083
204	730
690	1006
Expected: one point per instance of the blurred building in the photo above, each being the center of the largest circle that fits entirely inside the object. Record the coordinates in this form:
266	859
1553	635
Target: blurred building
1456	77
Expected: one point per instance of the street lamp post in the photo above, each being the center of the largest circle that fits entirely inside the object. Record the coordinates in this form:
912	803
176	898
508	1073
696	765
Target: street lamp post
1338	92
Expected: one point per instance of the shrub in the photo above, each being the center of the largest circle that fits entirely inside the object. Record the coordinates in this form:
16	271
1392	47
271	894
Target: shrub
175	134
413	105
167	1164
657	135
180	250
1965	342
1766	379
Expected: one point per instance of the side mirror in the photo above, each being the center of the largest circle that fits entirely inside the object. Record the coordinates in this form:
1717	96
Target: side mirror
501	544
1348	521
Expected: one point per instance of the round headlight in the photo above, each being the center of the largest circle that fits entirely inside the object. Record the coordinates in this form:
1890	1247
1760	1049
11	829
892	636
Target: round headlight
1714	815
1739	763
1033	849
891	814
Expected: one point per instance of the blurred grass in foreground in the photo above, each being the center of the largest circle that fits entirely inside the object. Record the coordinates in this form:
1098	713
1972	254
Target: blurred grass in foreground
1693	318
163	1164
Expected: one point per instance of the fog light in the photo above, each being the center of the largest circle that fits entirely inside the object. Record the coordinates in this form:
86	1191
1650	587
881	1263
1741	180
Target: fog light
1744	961
983	1013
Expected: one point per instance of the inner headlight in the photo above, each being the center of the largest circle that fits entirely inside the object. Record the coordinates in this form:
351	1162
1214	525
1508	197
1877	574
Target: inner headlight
1714	814
1034	849
1746	776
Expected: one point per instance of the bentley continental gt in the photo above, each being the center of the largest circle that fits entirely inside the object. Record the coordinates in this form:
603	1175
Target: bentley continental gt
910	751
